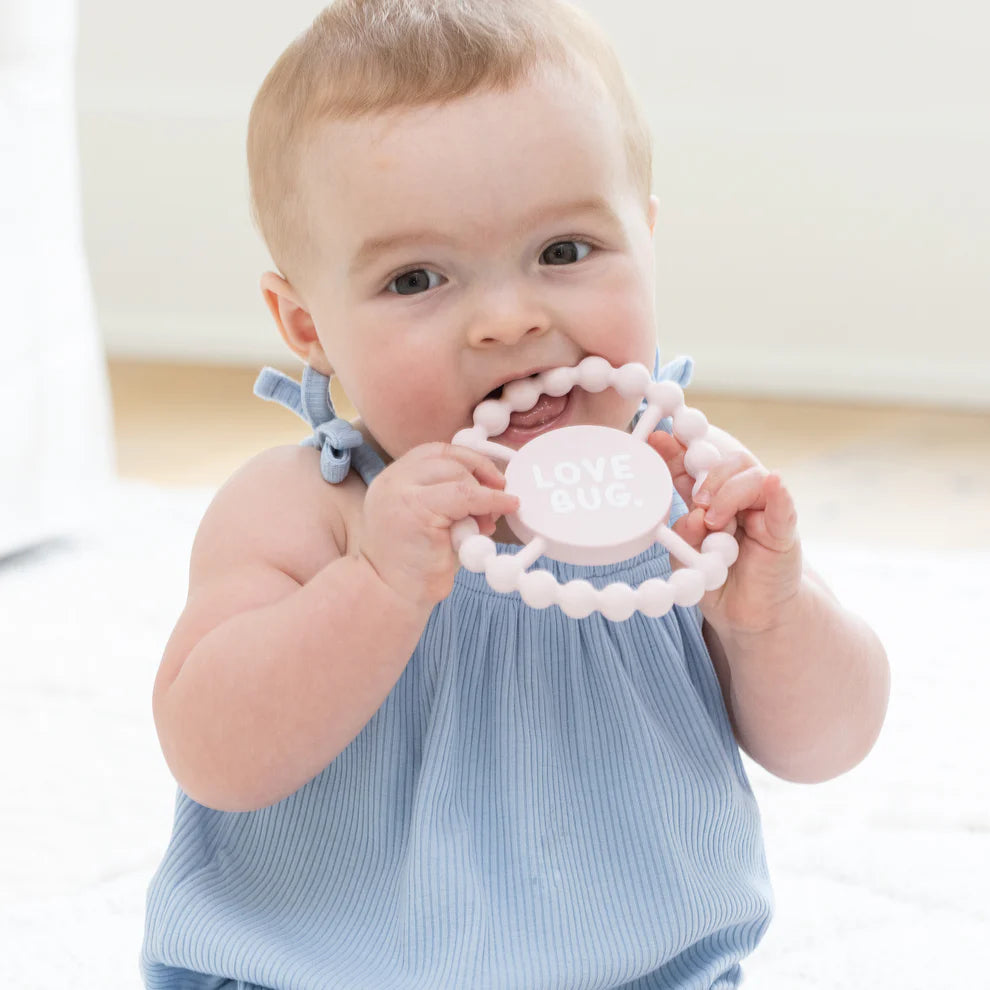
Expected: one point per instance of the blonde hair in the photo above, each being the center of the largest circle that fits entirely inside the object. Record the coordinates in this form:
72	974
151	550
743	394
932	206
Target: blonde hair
369	56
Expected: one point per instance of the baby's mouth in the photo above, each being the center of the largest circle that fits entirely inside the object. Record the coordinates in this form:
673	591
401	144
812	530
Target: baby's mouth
543	411
546	409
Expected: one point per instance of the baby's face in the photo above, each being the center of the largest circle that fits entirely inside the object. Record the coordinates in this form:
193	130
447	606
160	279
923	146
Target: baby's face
464	246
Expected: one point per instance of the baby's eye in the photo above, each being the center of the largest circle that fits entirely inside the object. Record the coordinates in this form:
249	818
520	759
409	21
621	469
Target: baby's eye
418	280
565	253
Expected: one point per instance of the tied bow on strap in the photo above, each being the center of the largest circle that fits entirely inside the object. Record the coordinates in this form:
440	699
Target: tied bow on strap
335	438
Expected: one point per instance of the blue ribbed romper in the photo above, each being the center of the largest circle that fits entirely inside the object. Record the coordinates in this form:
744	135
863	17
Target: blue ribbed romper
540	802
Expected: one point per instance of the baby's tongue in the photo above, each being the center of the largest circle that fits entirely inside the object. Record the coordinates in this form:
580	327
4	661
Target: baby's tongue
547	407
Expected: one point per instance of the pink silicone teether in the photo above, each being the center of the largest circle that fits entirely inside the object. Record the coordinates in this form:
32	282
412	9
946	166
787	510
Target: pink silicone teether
594	495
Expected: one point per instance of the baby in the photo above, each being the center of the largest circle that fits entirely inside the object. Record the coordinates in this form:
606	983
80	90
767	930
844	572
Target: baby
390	775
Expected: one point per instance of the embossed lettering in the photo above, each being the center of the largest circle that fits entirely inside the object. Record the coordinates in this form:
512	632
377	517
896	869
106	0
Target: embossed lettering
592	502
621	468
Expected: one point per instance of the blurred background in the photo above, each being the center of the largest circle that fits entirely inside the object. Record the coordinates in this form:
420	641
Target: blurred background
825	215
823	248
823	252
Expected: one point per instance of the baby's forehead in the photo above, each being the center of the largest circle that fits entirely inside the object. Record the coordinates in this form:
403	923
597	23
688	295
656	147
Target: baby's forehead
531	117
486	164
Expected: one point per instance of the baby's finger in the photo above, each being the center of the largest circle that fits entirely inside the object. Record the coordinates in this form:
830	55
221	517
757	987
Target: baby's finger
488	473
486	524
480	465
731	464
741	491
669	448
673	451
780	517
453	500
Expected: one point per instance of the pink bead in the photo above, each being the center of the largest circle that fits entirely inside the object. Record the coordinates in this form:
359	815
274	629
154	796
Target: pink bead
538	588
577	599
724	544
688	587
594	374
654	597
492	416
617	601
462	529
666	396
558	381
520	395
476	551
689	424
631	379
713	571
701	457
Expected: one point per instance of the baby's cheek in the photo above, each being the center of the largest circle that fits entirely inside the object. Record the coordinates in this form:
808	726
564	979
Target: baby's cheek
628	328
425	417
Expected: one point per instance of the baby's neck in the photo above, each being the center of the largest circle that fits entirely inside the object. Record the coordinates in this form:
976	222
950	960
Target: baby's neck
370	441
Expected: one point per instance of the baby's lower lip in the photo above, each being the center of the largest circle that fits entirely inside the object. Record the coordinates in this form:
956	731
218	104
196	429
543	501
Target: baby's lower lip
547	414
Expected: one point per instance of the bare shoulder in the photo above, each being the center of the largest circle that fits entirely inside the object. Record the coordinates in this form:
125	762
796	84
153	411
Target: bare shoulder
277	512
273	526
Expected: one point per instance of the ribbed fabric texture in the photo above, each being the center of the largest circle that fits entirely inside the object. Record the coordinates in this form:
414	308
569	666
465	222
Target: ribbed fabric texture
541	802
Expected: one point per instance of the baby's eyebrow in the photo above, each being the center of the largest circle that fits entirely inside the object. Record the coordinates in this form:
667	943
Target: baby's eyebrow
590	204
374	246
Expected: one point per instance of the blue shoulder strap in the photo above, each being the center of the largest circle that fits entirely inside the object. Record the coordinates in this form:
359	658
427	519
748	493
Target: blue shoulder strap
679	370
340	445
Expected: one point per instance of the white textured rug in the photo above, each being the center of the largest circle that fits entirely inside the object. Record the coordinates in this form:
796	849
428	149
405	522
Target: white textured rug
881	876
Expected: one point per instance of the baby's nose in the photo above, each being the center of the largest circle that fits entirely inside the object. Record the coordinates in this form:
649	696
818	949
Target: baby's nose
506	317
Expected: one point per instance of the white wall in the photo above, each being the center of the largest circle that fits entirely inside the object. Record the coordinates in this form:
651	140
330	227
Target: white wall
825	218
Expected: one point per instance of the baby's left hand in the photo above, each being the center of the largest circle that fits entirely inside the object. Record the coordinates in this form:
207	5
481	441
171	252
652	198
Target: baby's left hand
767	575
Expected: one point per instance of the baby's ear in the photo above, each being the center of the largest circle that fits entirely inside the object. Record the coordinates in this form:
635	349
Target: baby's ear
651	213
294	321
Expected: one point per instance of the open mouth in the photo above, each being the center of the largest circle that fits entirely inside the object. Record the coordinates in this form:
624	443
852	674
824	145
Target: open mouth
546	412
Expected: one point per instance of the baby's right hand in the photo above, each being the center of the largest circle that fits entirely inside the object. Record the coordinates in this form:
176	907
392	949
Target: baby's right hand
410	507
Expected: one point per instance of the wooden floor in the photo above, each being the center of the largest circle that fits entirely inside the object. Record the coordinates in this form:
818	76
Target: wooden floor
876	474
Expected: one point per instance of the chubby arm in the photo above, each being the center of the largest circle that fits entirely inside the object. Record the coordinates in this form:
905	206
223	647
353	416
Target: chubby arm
291	639
805	681
807	697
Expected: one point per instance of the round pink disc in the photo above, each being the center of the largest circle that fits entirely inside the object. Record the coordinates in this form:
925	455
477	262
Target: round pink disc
596	495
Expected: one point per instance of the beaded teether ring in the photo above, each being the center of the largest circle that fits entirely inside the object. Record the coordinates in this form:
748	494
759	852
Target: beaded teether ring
594	495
